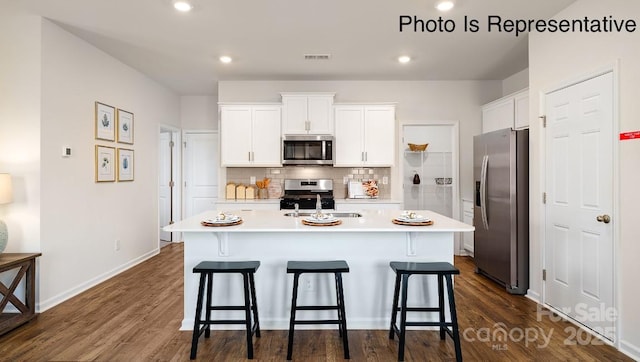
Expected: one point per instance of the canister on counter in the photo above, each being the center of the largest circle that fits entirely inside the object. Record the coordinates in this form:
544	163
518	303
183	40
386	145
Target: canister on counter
240	192
250	193
230	193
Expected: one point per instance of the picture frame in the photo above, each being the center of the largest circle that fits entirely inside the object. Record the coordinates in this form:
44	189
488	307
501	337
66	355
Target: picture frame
125	126
105	164
105	122
126	164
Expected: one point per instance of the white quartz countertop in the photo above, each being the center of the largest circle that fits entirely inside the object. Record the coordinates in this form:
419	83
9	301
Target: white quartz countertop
275	221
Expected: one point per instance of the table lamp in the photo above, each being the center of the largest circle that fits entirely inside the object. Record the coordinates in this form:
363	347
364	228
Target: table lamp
5	198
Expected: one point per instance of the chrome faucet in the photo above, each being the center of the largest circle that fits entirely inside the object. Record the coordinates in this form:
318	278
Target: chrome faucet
318	205
296	211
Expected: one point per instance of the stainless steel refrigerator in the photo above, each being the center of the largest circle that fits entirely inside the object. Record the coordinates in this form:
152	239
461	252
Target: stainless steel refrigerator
501	211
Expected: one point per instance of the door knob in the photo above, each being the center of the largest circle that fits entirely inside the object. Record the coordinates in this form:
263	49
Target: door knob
604	218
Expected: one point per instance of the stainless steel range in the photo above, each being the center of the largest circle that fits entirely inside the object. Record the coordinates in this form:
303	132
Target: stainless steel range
305	193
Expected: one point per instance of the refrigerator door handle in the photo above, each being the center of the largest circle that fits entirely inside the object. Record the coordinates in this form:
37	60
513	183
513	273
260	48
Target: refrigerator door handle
483	191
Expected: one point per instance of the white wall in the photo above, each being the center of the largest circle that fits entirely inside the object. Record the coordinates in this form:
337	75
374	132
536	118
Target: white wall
79	220
516	82
417	101
199	112
20	126
558	58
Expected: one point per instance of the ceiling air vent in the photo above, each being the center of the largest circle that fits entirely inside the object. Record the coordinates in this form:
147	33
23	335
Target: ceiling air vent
317	56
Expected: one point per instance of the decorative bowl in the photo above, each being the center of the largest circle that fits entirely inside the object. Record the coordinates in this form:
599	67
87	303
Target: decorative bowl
414	147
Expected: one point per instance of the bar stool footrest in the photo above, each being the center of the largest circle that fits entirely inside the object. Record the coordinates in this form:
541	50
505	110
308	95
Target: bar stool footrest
227	307
317	307
318	321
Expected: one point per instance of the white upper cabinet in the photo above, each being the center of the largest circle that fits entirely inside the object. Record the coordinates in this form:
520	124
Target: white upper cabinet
508	112
497	115
250	135
521	103
365	135
307	113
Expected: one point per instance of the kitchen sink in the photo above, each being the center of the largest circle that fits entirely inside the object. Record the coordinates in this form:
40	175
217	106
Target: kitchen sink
336	214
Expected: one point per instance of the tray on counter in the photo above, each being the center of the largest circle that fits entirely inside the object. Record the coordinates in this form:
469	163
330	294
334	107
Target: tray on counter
212	224
311	223
412	223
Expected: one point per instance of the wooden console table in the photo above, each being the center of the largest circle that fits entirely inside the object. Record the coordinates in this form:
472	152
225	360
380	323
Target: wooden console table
26	262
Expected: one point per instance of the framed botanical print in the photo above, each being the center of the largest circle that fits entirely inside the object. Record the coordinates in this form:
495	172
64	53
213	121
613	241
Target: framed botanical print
105	122
125	126
105	164
125	164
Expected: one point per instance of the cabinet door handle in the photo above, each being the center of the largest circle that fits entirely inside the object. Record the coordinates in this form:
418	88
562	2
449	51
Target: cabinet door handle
366	156
249	155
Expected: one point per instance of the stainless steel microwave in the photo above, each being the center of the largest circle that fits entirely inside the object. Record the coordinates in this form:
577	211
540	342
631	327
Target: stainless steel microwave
307	150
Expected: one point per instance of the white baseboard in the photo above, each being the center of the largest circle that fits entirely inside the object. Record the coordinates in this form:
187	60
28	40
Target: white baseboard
630	350
55	300
534	296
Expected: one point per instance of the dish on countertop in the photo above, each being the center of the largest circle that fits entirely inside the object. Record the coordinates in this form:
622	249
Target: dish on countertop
223	218
410	216
321	218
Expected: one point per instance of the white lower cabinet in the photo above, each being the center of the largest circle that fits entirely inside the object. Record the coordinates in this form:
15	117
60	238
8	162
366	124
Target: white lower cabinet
467	218
365	135
250	135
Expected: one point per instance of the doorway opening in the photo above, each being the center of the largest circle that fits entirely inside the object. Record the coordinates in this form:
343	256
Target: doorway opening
169	196
430	177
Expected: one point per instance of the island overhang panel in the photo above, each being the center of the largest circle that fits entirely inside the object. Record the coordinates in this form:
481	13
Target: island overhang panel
367	243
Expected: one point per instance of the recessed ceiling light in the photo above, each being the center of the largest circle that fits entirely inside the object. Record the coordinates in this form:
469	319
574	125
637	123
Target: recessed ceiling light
445	5
404	59
225	59
182	5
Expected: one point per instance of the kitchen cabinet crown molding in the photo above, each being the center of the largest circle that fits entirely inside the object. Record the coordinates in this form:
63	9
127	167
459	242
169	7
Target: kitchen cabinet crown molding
365	104
278	104
306	94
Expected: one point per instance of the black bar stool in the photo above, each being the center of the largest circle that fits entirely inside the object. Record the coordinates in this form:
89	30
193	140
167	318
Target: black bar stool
443	270
206	270
337	267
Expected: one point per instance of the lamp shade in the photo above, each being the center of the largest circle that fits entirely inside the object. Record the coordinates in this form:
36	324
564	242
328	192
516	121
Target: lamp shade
6	191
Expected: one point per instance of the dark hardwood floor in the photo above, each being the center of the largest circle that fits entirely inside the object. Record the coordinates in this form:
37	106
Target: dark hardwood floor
136	315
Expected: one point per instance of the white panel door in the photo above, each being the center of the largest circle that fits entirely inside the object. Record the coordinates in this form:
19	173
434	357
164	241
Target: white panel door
201	172
379	135
235	133
266	141
349	137
164	190
578	242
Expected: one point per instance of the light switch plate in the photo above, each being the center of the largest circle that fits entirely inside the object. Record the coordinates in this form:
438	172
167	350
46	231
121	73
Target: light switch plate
252	180
385	180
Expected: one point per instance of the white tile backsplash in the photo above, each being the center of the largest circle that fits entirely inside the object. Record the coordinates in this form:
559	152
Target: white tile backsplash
337	174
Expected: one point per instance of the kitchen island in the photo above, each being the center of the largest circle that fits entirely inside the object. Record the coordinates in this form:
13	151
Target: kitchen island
368	243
